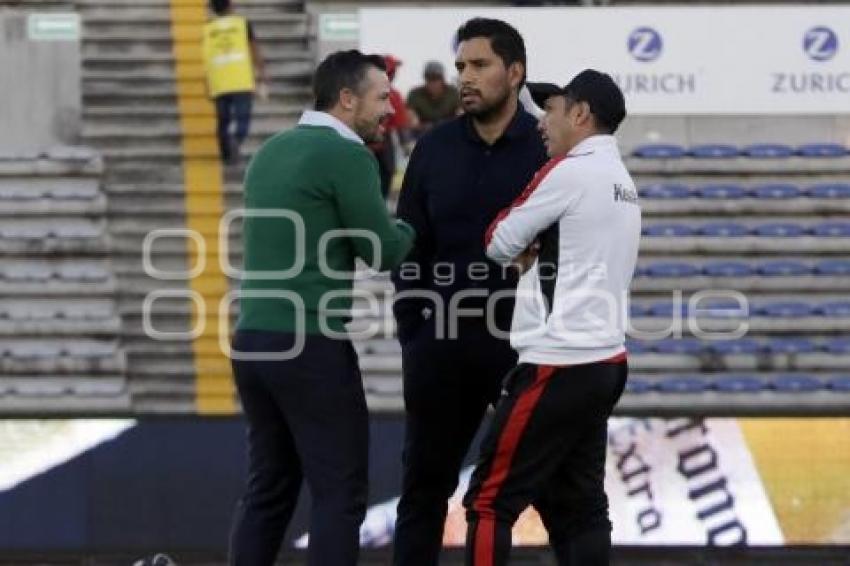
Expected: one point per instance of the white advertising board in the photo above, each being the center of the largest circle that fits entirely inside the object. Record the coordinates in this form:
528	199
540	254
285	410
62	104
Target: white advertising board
680	60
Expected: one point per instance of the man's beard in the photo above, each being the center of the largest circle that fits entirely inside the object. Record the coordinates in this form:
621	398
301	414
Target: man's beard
369	132
486	112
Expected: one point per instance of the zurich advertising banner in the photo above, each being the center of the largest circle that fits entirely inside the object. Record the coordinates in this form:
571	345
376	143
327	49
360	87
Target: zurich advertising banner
683	60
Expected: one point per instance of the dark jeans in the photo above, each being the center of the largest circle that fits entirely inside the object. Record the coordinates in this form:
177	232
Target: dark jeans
546	447
307	418
448	385
228	107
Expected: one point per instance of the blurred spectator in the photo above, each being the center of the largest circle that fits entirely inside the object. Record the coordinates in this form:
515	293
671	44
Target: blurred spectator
435	101
231	57
396	129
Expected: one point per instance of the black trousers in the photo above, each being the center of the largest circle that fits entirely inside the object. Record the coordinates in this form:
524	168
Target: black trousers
448	385
232	107
546	447
307	418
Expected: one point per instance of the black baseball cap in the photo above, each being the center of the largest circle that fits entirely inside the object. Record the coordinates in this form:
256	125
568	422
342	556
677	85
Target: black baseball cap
598	89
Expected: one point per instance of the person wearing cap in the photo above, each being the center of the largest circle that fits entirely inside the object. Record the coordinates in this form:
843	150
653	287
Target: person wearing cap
435	101
396	130
574	232
460	174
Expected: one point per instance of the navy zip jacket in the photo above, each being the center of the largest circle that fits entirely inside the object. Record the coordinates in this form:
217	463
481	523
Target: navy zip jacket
454	186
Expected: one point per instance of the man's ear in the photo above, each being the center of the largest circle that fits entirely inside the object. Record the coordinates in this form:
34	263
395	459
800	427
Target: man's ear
583	114
516	72
346	99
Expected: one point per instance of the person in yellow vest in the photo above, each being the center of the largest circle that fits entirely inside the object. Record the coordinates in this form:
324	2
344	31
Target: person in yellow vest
231	57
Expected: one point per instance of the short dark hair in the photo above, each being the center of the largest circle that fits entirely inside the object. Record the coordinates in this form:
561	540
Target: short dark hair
602	95
343	69
505	40
220	6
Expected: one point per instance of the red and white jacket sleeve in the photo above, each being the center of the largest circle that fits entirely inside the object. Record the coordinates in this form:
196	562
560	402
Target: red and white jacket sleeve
546	198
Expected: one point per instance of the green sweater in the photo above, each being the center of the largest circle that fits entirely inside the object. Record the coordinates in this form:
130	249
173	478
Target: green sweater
331	183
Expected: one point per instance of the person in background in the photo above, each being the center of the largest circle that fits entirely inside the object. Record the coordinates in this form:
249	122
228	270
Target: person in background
231	60
396	126
433	102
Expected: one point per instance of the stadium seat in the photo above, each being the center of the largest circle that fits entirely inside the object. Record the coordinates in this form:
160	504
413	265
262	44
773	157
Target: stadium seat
721	192
840	383
16	193
768	151
664	191
24	311
91	349
637	386
834	309
721	309
832	230
27	272
638	310
838	346
785	309
685	384
73	192
740	346
833	267
714	151
727	269
666	309
723	230
659	151
24	231
780	230
82	230
776	191
790	346
783	268
636	347
796	384
88	273
35	350
830	190
822	150
668	229
678	346
672	269
738	384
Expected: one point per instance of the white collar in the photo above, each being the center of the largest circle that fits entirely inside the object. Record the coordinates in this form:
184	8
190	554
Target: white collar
314	118
591	143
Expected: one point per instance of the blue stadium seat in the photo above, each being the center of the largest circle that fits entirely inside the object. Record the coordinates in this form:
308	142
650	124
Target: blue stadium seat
714	151
721	192
724	230
796	384
659	151
829	190
636	347
666	309
672	269
776	191
832	230
684	384
785	309
838	346
780	230
833	267
727	269
739	346
721	309
638	386
840	383
638	310
834	309
665	191
768	151
822	150
668	229
738	384
790	346
783	268
678	346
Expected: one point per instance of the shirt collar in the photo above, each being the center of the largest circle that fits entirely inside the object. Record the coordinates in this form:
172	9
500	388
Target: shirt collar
314	118
520	125
592	143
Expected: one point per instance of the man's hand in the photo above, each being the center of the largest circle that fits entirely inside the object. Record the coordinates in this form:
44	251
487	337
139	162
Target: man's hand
526	259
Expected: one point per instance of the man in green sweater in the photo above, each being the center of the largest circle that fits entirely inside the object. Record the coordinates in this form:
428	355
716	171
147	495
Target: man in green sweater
313	204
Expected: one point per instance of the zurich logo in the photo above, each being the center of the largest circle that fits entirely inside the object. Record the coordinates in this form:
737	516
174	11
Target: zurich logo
645	44
820	43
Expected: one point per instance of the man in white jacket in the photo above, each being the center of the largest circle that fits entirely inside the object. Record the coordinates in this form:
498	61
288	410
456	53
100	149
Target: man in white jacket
574	231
